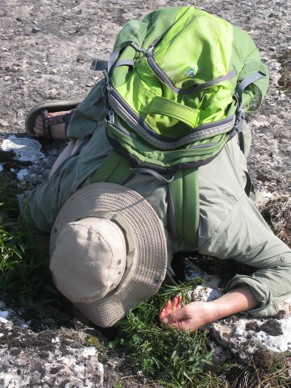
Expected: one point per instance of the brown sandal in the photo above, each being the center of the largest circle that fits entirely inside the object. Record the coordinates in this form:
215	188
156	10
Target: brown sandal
48	121
46	108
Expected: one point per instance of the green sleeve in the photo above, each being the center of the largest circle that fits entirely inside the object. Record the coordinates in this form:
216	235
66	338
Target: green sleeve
231	227
245	237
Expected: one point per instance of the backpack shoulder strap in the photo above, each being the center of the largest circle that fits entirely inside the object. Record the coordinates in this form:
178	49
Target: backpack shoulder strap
114	169
184	204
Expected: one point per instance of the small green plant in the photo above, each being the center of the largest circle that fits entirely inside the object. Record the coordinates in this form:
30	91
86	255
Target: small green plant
119	385
11	248
24	273
95	342
171	356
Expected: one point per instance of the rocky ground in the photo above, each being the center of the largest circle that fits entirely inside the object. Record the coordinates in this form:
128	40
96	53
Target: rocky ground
46	50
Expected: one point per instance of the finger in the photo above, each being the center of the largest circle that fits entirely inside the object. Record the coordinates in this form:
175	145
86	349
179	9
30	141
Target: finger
168	306
177	316
170	320
166	310
175	301
163	314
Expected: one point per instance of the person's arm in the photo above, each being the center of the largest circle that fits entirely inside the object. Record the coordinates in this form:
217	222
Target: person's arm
242	235
197	314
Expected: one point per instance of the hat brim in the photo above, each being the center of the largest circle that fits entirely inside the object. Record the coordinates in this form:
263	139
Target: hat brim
149	263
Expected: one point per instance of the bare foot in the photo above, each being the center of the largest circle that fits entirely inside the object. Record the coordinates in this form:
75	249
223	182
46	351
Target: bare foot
51	125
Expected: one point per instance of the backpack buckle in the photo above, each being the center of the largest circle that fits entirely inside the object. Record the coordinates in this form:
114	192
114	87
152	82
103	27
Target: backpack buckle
98	65
240	116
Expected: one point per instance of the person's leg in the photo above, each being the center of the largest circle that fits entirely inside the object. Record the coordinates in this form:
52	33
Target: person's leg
69	150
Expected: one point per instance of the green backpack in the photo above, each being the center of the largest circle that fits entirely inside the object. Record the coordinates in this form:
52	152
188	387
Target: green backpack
176	88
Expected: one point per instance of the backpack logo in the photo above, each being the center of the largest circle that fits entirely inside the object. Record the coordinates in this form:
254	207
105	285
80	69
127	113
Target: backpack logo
191	72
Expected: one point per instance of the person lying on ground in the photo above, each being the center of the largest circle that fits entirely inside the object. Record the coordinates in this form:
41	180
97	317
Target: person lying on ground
74	209
118	205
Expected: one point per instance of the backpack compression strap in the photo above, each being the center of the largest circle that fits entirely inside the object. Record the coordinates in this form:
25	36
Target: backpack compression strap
240	89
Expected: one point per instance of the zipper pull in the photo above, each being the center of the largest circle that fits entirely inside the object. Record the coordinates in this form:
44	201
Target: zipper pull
149	51
111	118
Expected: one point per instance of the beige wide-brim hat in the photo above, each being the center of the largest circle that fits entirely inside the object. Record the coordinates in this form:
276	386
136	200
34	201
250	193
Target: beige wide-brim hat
108	251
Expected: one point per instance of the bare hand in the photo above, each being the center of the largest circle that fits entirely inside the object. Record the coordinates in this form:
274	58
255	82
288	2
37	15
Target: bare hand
197	314
190	317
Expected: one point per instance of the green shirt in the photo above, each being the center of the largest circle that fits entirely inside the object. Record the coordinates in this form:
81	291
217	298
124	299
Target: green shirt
230	225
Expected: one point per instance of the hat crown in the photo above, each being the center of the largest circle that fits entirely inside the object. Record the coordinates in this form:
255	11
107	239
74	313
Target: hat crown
89	259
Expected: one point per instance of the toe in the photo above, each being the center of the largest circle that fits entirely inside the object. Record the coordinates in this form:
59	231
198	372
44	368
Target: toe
38	126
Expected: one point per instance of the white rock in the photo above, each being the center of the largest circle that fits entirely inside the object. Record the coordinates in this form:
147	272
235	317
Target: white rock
25	149
90	351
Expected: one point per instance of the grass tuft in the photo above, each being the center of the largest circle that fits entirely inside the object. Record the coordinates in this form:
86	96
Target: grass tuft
24	275
170	356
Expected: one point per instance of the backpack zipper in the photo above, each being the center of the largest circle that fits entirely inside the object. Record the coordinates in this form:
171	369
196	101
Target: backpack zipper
166	80
119	105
